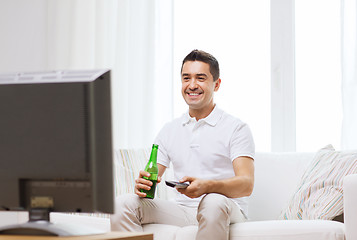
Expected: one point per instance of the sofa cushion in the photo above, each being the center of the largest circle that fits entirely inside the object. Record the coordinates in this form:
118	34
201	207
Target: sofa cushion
162	231
271	194
320	193
288	230
260	230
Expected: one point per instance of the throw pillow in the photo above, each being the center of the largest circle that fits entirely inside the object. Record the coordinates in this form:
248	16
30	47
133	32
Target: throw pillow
320	192
127	164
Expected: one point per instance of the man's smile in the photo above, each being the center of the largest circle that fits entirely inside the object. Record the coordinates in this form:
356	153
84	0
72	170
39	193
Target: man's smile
194	93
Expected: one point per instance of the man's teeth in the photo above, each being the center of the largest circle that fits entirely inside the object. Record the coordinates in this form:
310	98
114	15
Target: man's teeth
193	94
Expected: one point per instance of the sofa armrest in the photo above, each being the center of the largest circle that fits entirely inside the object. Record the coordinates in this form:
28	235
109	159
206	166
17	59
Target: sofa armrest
350	206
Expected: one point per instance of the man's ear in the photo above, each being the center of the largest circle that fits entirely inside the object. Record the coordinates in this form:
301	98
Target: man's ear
217	84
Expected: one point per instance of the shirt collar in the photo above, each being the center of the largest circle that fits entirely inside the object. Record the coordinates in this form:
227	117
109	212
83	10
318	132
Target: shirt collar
211	119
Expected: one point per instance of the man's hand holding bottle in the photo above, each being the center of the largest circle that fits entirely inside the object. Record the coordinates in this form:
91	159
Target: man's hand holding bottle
142	183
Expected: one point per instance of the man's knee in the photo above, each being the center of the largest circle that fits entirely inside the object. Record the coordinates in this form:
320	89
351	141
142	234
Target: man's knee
126	214
126	202
213	205
214	200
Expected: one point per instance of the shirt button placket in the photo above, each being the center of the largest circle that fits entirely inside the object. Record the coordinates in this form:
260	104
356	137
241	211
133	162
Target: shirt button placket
194	138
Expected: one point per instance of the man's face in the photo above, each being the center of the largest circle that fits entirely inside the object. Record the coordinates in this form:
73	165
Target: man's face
198	85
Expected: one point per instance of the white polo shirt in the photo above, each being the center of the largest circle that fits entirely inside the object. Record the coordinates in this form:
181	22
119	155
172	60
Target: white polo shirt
204	149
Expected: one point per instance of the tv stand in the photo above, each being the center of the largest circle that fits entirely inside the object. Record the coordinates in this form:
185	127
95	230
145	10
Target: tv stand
39	225
106	236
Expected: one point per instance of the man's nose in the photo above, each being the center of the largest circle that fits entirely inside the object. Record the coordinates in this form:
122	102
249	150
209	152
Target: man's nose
193	84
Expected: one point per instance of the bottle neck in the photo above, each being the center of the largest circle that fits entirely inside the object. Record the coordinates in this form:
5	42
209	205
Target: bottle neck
153	156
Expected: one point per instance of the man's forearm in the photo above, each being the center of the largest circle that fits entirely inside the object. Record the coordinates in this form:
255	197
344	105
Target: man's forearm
238	186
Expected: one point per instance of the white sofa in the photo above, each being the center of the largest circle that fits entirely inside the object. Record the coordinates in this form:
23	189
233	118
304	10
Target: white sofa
276	178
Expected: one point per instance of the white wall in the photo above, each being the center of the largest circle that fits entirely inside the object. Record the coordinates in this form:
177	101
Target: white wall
29	34
23	42
124	36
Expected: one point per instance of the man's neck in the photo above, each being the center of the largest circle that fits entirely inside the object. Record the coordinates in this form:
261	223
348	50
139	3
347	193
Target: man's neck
201	113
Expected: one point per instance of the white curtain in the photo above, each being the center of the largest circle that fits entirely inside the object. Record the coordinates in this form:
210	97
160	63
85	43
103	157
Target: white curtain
349	74
131	37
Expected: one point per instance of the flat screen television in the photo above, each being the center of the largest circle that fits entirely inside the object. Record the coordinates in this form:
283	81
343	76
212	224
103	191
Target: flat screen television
56	151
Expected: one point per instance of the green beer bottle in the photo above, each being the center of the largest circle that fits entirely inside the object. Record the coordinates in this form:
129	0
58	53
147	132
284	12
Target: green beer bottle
151	167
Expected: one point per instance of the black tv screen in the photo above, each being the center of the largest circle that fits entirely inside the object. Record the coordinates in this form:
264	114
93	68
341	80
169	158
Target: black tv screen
56	141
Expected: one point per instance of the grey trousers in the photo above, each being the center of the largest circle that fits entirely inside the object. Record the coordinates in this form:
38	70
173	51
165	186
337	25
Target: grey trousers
213	216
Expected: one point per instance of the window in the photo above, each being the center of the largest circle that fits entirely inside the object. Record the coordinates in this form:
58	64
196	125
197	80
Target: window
300	109
237	33
318	74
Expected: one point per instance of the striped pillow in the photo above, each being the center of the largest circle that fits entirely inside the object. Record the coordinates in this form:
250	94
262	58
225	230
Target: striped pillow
127	164
320	193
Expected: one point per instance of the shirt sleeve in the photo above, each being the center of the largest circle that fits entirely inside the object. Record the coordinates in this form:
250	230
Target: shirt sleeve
242	143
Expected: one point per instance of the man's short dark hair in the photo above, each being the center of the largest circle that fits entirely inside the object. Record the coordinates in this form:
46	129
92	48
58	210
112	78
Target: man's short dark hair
202	56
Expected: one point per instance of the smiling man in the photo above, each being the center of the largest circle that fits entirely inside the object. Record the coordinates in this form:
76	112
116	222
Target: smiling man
209	149
198	87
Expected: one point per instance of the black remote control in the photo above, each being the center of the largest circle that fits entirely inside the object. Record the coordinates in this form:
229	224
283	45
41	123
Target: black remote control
175	184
